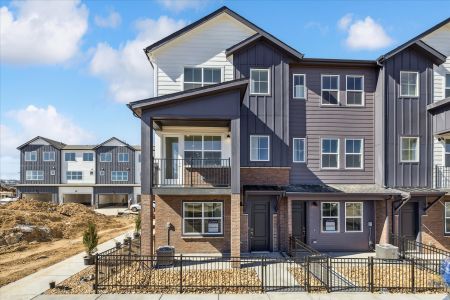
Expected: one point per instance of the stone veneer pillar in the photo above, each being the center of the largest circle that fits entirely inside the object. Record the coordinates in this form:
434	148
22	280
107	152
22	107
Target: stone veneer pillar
235	228
147	224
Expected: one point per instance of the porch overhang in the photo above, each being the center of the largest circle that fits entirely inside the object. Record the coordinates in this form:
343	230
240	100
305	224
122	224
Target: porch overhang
441	116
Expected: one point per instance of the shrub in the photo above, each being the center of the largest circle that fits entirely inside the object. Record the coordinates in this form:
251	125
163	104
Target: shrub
137	223
90	238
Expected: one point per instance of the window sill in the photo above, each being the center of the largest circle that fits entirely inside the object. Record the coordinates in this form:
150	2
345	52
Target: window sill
193	237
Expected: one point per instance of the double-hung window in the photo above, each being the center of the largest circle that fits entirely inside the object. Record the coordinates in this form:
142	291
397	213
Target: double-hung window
48	156
409	84
105	157
447	153
299	83
354	153
30	156
409	149
203	150
330	89
202	218
122	157
330	154
353	216
447	86
34	175
330	216
198	77
447	218
259	148
260	81
355	90
74	175
299	150
69	156
87	156
119	176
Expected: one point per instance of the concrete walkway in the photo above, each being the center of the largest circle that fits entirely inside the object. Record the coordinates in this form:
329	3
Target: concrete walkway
36	283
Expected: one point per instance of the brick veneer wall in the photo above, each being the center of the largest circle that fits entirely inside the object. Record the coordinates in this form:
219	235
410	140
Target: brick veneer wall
244	232
146	227
432	229
265	176
283	224
382	221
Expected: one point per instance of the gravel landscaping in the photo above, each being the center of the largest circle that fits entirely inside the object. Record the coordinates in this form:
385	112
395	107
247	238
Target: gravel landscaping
300	276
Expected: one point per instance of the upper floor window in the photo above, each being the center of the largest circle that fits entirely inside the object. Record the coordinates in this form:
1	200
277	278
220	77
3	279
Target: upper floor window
299	82
330	89
299	154
259	81
447	86
447	217
355	90
409	84
34	175
409	149
87	156
105	157
30	156
330	216
198	77
330	154
123	157
447	152
69	156
353	216
119	176
353	153
206	150
259	148
74	175
48	156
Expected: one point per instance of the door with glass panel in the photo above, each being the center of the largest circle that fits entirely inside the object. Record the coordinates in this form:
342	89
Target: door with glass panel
171	165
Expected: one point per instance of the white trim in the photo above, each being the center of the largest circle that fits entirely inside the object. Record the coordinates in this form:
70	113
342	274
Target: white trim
304	86
51	159
31	153
417	85
72	173
202	83
123	172
102	160
123	161
304	150
268	81
417	159
35	177
202	218
338	153
353	217
363	102
445	84
330	90
445	218
338	217
268	147
89	153
361	153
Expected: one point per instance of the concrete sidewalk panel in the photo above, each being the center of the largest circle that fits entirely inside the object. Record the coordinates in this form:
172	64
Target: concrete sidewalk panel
130	297
190	297
67	297
244	297
289	296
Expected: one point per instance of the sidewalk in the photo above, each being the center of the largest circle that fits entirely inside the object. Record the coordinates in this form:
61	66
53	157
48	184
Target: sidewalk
36	283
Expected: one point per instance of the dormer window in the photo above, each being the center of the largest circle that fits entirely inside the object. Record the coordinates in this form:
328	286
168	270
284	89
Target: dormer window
198	77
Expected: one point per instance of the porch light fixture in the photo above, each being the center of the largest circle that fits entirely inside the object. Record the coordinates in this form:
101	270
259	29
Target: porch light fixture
228	137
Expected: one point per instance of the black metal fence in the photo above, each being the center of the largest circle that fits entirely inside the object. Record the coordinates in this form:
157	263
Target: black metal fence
442	174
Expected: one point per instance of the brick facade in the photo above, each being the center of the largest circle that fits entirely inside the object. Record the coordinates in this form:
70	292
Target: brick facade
432	229
146	227
265	176
383	210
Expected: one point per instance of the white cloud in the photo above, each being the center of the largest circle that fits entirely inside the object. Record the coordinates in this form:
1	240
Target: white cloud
42	32
364	34
126	69
111	21
179	5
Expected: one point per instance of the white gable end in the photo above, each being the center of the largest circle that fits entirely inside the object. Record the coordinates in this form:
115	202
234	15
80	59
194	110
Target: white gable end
39	142
439	39
114	143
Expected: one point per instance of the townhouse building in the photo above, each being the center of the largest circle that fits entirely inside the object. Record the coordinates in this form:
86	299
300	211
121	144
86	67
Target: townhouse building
107	174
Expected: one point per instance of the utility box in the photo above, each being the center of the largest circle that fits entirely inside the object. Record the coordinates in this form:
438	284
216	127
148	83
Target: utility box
165	256
386	251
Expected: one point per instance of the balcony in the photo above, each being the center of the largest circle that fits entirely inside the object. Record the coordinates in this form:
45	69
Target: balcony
442	177
191	173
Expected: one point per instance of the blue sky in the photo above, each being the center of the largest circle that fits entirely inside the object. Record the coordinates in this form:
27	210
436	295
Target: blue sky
68	68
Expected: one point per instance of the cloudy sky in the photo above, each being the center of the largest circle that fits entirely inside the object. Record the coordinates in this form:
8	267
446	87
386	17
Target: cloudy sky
69	67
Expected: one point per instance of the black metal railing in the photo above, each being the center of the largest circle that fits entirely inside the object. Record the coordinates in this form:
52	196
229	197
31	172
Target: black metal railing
297	245
442	177
191	172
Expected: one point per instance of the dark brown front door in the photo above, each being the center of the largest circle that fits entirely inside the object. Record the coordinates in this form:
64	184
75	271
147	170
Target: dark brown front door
410	220
299	220
260	225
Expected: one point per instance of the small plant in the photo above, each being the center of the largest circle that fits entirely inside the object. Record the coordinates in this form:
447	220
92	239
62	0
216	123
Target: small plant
137	223
90	238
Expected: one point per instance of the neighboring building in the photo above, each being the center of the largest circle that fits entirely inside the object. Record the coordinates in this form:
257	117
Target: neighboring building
101	175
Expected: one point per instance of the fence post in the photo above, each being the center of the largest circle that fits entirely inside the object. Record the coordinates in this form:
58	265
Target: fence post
263	272
308	276
371	281
328	274
413	278
181	273
96	274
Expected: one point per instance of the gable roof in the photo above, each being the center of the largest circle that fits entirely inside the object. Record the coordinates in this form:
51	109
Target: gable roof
223	9
112	139
56	144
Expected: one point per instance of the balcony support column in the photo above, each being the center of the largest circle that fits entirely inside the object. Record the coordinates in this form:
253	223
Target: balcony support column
147	196
235	191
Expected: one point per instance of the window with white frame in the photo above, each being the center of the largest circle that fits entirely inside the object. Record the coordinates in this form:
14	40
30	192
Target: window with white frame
198	77
105	157
447	153
48	156
447	86
259	148
87	156
299	83
409	149
330	89
259	81
202	218
353	216
119	176
330	154
30	156
355	90
122	157
330	216
447	217
409	84
299	149
74	175
354	153
203	150
34	175
69	156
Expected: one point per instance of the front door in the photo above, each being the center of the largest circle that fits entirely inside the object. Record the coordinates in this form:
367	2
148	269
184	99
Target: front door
410	220
299	220
260	225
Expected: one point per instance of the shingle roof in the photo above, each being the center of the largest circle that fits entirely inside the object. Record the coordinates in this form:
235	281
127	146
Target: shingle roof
56	144
341	188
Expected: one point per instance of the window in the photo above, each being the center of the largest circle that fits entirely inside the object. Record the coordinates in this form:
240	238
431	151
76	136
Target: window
409	149
259	148
105	157
353	216
259	81
202	218
409	84
206	150
123	157
74	175
355	90
299	83
119	176
330	89
31	156
48	156
447	152
447	86
447	217
88	156
299	150
354	153
198	77
34	175
69	156
330	216
330	154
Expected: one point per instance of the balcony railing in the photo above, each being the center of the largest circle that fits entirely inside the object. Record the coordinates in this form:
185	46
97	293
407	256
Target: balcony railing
211	173
442	177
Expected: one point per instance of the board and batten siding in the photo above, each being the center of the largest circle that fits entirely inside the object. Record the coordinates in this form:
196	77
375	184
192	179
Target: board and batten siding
309	119
40	164
204	46
115	165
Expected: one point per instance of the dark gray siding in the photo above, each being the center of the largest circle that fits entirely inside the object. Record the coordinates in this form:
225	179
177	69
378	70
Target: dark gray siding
311	120
39	164
408	117
39	190
114	165
441	120
265	115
